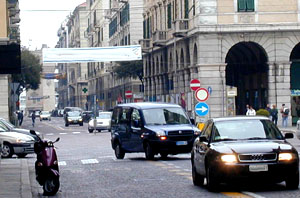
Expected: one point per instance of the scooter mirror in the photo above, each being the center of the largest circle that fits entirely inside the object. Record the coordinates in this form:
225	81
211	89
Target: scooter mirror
57	139
32	132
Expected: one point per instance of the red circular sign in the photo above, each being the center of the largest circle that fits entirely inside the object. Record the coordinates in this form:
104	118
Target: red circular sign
195	84
201	94
128	94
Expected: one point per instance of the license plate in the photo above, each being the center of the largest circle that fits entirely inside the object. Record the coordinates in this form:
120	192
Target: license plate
180	143
31	145
258	168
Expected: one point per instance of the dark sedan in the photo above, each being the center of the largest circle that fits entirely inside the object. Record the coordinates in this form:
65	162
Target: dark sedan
243	149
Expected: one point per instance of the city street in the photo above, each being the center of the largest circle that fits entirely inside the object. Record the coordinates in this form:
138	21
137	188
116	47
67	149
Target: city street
89	168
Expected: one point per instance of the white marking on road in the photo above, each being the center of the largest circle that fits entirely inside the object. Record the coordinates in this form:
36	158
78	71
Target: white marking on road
62	133
177	167
49	134
76	132
63	163
90	161
102	157
61	128
252	194
187	170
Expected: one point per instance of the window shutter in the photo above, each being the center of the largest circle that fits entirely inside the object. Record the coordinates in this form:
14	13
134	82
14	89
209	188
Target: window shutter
186	6
169	16
250	5
241	5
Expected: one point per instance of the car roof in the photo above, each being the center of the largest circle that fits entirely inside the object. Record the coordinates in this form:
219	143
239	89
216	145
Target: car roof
239	118
148	105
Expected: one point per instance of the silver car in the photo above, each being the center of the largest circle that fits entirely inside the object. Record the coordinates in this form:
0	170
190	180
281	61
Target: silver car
15	143
102	122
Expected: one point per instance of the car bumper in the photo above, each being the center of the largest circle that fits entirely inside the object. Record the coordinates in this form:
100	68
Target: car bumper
276	172
23	148
75	122
172	147
45	118
100	127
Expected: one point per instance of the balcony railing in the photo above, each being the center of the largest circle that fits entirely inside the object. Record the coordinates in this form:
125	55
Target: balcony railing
181	27
159	38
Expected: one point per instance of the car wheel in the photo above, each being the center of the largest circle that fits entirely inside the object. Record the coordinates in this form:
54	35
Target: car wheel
66	124
81	124
212	183
99	131
21	155
198	180
163	155
149	154
7	150
292	181
90	130
119	153
40	120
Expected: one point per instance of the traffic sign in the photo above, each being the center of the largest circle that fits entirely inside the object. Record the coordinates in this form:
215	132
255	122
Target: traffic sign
201	109
85	90
128	94
201	94
195	84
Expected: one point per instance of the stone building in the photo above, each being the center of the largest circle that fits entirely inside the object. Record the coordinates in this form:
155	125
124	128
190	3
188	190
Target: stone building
250	45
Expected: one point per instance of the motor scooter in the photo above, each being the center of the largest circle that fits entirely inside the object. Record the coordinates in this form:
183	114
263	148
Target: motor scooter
46	165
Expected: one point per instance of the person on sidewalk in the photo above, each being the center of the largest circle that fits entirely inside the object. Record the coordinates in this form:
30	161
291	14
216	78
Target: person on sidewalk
33	118
274	114
268	108
20	117
285	115
251	111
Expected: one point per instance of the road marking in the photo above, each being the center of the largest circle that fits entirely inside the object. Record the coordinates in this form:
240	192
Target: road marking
183	174
62	133
49	134
63	163
187	170
90	161
102	157
76	132
235	195
174	170
252	194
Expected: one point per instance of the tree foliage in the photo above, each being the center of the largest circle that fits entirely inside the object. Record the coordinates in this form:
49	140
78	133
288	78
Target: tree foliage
31	69
127	69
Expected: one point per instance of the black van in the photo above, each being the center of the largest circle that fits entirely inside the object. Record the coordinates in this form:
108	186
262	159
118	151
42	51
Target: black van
153	128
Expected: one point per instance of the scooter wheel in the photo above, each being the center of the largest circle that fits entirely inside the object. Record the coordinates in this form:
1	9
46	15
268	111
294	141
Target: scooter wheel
51	186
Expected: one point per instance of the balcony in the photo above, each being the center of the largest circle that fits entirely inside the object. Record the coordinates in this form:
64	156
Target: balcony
146	45
159	38
181	27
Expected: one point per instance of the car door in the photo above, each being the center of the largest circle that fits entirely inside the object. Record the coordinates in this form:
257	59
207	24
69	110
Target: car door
123	128
202	147
136	131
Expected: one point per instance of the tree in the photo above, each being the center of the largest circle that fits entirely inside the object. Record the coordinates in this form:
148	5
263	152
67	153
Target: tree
31	69
130	69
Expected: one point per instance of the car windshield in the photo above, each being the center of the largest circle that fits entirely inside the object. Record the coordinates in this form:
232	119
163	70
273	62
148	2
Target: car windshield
104	116
8	124
246	130
162	116
74	113
45	113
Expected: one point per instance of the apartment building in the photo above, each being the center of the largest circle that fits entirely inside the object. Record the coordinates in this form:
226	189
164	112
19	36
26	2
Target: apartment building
249	46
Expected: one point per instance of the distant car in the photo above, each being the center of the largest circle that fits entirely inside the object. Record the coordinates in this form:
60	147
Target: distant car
10	127
87	115
15	143
45	115
73	117
102	122
243	149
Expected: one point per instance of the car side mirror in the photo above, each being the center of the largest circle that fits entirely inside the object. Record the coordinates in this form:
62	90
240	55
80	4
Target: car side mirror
32	132
203	139
289	136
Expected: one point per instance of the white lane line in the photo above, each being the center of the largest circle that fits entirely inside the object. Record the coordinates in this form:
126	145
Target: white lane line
177	167
187	170
60	128
252	194
90	161
62	133
63	163
102	157
76	132
49	134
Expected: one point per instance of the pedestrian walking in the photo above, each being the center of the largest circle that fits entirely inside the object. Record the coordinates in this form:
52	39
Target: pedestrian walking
33	118
268	108
251	111
285	115
274	114
20	117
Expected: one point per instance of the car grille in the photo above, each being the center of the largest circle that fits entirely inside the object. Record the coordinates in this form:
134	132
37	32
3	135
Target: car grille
258	157
29	150
180	135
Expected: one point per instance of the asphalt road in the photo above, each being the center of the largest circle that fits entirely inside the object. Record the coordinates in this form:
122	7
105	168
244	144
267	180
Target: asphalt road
89	168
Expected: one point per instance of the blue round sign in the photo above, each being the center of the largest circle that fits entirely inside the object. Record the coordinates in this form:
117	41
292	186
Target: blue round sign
201	109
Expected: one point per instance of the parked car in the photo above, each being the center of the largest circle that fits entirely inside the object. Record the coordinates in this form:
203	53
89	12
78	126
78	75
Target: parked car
243	149
153	128
87	115
73	117
103	122
10	127
45	115
15	143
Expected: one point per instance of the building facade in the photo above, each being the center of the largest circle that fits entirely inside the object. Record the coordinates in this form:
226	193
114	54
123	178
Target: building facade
247	45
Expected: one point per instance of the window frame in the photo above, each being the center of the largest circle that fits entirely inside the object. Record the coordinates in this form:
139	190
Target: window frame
249	5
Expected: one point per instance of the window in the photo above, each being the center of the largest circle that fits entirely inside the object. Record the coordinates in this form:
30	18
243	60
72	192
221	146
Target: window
246	5
186	9
169	16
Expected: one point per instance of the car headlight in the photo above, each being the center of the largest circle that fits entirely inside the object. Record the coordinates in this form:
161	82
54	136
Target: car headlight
20	141
197	132
285	156
160	133
80	119
69	120
228	158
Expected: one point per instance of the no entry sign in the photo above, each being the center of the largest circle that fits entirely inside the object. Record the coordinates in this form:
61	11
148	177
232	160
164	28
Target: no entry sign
128	94
201	94
195	84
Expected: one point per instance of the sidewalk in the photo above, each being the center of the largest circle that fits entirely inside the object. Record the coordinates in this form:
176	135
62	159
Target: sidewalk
14	179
